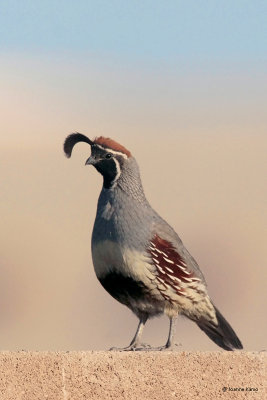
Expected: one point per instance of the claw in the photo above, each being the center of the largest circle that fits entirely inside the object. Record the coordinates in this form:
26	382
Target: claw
132	347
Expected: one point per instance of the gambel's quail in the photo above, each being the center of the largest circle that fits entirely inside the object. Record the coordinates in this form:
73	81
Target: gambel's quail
138	258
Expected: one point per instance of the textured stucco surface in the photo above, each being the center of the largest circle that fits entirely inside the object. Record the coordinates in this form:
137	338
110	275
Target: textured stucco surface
147	375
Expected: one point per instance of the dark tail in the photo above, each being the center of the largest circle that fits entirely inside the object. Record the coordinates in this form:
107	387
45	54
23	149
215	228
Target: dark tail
222	334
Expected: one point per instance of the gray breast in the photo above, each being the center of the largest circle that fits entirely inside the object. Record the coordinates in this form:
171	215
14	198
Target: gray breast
123	220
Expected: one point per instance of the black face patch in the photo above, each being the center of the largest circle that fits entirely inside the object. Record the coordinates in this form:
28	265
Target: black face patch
108	169
106	166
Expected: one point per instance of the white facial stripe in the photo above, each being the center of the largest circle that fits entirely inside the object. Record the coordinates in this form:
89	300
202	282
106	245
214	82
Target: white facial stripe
112	151
118	171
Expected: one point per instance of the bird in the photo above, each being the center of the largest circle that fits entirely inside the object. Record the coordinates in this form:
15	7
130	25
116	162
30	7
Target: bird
138	257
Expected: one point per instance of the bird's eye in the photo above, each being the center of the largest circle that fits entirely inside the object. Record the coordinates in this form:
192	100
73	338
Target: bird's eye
109	155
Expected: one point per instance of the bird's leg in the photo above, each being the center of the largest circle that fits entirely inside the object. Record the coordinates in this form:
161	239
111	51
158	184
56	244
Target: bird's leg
137	337
172	329
133	346
169	343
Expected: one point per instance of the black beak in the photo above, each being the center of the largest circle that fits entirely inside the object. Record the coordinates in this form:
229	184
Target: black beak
90	161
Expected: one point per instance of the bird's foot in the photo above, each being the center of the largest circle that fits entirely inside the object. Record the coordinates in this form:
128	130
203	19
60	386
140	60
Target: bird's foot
159	348
132	347
147	347
166	347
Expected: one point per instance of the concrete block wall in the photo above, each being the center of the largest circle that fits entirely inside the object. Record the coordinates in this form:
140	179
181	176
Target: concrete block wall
136	375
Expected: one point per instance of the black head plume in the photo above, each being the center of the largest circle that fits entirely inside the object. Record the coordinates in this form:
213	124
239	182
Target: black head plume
72	139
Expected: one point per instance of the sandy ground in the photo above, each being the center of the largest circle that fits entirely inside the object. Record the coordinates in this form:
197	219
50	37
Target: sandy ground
148	375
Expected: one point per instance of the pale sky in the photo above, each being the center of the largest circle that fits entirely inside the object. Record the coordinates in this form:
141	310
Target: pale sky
152	31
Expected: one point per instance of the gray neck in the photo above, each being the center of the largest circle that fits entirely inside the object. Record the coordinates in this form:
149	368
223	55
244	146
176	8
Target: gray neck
130	181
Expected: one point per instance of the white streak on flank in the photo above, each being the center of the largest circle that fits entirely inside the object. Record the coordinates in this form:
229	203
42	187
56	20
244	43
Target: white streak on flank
152	244
187	279
161	270
156	261
111	151
170	270
186	272
181	267
196	279
171	277
158	250
154	254
183	263
161	280
151	248
174	278
169	261
161	252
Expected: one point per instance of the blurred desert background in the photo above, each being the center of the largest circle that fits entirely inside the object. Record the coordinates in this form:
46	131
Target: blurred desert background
182	87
